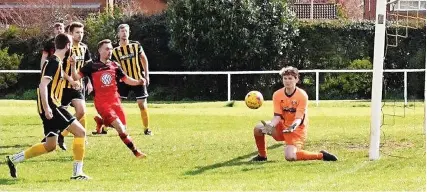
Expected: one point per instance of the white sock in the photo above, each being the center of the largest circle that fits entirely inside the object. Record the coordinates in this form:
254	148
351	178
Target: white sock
77	168
17	158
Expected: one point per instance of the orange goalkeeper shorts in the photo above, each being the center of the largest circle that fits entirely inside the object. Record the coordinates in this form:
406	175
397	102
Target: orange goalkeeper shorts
295	138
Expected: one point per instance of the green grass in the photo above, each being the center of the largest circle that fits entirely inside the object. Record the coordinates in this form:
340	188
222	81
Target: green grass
206	146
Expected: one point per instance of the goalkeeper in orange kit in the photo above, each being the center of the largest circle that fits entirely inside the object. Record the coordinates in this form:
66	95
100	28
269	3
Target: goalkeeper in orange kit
290	122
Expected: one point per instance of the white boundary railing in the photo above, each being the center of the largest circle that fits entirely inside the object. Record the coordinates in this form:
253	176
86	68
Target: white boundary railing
229	73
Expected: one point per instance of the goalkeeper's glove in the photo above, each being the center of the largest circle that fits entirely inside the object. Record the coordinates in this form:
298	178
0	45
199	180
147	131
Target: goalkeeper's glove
267	129
290	129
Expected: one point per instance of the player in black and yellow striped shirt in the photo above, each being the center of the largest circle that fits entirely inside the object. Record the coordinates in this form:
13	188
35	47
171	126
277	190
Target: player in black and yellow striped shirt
55	118
131	57
80	52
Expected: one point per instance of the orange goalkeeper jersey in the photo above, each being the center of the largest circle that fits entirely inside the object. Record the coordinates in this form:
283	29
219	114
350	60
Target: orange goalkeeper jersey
291	107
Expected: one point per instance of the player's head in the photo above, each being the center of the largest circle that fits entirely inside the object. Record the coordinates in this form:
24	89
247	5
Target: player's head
123	31
105	49
76	31
62	42
290	76
58	28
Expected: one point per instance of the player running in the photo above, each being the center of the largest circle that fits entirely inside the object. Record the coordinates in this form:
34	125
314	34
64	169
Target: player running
103	75
55	118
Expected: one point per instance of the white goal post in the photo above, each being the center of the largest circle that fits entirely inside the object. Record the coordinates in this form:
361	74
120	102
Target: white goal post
377	77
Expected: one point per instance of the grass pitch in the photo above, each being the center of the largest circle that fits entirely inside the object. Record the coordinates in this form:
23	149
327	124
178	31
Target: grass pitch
207	146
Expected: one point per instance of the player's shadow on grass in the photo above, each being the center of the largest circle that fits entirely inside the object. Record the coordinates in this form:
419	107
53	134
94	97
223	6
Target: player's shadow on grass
15	146
233	162
7	181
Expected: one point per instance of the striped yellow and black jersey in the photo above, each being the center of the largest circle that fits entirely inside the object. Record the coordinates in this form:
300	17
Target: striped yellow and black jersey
128	56
82	55
52	69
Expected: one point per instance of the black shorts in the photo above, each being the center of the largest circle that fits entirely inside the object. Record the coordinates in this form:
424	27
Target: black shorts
70	94
60	121
140	91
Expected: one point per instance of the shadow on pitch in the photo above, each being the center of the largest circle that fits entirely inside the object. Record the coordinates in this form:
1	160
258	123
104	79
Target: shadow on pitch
241	160
7	181
14	146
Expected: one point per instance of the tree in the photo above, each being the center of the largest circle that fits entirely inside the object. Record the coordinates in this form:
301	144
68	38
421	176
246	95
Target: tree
231	34
8	62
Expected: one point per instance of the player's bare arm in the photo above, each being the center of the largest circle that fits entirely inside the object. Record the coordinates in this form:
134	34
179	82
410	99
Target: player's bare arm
74	73
133	82
144	63
43	92
43	59
75	84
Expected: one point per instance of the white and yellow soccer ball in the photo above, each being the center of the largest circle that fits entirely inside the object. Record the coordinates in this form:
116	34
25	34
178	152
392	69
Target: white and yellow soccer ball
254	99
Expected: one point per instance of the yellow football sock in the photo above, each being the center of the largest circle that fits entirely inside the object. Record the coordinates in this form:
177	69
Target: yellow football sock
78	148
83	121
144	117
35	150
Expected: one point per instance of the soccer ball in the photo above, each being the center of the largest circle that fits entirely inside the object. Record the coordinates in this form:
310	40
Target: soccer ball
254	99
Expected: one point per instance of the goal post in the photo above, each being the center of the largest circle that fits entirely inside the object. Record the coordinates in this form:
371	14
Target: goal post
425	83
381	44
377	79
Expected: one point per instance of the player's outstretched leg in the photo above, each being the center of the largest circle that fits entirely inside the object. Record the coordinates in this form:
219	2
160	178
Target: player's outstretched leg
294	154
127	140
34	151
61	143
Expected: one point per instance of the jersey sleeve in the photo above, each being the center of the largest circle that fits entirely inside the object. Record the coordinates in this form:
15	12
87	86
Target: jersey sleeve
277	104
120	73
86	70
302	105
115	55
50	69
88	56
140	49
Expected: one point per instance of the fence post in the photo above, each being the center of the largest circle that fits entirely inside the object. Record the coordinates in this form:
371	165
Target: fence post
229	87
317	88
405	87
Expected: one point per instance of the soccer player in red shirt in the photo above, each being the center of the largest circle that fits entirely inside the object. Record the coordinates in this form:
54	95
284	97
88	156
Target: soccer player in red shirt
289	123
103	75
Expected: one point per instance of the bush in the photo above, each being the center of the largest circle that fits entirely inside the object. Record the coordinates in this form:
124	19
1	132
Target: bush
30	94
222	46
8	62
348	85
231	35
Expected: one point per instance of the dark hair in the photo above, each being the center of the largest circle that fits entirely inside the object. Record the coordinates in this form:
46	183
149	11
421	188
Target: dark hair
75	25
61	41
105	41
57	24
289	70
67	29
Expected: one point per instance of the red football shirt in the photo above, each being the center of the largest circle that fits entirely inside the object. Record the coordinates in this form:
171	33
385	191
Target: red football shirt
104	78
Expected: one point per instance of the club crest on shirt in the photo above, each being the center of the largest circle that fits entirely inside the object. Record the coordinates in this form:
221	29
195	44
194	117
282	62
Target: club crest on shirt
106	79
294	102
